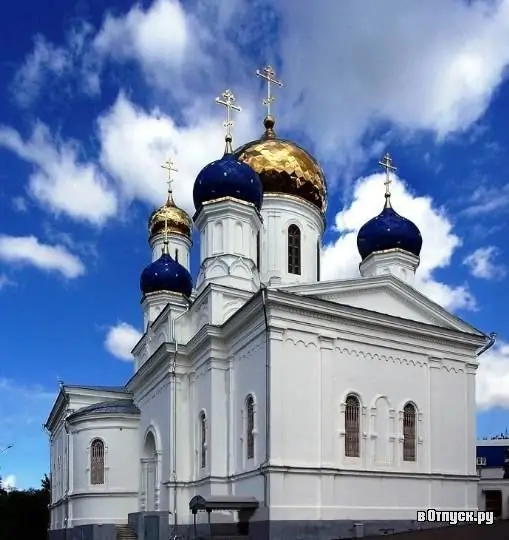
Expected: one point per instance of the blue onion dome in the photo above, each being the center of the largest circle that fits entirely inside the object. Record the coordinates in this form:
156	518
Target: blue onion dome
227	177
387	231
166	274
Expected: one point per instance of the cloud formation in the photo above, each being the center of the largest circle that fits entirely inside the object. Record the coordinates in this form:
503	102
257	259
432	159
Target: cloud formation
60	182
482	264
28	250
492	379
121	339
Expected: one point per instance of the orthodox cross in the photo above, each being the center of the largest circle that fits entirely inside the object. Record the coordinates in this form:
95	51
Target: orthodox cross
386	164
169	165
227	99
269	75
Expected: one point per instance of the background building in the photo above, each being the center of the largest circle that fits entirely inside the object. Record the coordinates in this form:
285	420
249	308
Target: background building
493	487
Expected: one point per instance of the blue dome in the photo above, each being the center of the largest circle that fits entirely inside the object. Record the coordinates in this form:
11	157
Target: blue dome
388	230
227	177
166	274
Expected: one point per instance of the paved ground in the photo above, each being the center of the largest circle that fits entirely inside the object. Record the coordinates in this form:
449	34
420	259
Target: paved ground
497	531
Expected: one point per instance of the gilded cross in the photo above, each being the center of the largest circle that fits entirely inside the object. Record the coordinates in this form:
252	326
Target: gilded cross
227	99
386	164
269	75
169	165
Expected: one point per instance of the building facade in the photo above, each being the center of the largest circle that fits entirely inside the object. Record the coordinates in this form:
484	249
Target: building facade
492	457
272	398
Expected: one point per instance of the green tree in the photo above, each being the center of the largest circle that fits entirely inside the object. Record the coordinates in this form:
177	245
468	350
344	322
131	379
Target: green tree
25	513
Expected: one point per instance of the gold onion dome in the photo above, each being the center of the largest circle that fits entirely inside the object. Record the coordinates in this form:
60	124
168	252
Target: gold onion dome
284	167
171	219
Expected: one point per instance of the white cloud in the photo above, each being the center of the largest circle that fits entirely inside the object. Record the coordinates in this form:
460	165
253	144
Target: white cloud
334	59
8	483
482	265
121	339
60	182
28	250
341	258
492	379
157	35
488	199
347	66
48	64
151	136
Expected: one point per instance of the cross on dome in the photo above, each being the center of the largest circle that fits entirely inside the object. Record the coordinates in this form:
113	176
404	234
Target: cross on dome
169	165
387	165
269	75
227	99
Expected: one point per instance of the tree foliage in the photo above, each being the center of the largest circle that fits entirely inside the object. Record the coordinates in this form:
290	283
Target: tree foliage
25	513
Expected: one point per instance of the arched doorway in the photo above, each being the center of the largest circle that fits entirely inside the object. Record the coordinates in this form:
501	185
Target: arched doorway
149	472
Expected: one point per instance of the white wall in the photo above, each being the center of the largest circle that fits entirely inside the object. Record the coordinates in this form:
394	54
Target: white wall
310	379
228	245
155	406
112	501
278	214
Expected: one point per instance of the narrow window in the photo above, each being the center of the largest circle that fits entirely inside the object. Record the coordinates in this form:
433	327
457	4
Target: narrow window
258	251
409	420
176	255
203	440
293	250
97	462
250	426
352	427
318	260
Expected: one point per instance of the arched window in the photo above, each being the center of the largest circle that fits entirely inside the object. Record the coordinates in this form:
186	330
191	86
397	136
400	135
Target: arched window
409	432
352	427
294	250
97	462
318	260
250	427
258	254
203	440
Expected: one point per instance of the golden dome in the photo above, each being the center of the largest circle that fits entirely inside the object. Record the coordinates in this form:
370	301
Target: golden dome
284	167
171	219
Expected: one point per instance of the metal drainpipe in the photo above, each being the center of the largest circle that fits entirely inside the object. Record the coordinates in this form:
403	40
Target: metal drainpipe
173	387
492	339
267	396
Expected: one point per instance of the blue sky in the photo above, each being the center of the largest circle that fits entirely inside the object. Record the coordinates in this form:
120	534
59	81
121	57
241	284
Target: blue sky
93	100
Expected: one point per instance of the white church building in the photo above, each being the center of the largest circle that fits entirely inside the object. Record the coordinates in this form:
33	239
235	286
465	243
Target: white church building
265	400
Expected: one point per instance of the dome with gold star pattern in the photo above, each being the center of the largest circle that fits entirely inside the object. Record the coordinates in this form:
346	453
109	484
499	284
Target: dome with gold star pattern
284	167
171	219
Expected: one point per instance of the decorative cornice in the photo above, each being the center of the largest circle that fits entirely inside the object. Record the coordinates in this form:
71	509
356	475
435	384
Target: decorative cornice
332	311
389	281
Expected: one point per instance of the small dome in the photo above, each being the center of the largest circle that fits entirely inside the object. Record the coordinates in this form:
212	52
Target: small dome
284	167
386	231
171	219
227	177
166	274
